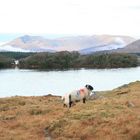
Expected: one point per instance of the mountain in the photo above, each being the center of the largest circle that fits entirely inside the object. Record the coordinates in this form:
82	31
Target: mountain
133	47
83	44
27	44
107	43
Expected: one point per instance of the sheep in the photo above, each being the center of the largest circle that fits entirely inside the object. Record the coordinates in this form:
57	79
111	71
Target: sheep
71	98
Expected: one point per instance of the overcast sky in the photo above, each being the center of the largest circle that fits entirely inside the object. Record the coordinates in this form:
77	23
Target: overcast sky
70	17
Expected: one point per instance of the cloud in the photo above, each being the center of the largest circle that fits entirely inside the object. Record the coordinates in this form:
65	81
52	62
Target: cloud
2	43
12	49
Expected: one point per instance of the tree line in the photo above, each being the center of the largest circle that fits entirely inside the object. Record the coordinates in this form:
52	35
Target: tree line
6	62
66	60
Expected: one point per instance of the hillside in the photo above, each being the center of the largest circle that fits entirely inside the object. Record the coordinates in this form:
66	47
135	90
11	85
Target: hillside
83	44
133	47
114	115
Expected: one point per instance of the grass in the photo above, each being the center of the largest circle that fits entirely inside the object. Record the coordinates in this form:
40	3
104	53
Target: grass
107	118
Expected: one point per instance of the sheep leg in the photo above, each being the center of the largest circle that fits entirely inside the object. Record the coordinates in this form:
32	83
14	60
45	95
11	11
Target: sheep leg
84	100
70	102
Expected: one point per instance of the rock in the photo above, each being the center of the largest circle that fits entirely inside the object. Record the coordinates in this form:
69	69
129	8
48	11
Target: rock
93	96
129	104
124	91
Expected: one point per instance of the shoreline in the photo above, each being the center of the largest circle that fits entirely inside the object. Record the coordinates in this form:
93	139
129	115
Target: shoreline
53	95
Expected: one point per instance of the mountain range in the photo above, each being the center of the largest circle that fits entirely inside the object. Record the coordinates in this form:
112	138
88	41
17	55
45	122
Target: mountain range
83	44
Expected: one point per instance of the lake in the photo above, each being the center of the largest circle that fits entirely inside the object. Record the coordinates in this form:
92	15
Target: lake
34	83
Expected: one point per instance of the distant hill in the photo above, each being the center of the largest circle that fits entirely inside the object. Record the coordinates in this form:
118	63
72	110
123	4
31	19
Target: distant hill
83	44
133	47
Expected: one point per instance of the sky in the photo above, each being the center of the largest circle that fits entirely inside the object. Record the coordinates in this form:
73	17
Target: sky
54	18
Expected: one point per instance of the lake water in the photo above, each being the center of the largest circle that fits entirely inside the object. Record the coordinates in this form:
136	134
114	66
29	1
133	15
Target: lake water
33	83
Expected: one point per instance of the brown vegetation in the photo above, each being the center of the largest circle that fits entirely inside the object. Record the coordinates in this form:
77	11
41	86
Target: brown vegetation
115	116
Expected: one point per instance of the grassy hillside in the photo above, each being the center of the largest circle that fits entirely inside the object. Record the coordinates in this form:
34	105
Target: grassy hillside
115	115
